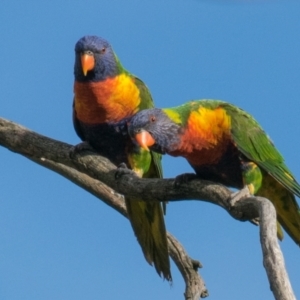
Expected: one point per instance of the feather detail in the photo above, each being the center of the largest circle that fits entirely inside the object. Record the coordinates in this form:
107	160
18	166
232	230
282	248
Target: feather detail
207	131
106	101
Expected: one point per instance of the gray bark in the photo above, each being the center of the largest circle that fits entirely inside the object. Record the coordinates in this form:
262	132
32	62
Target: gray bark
97	175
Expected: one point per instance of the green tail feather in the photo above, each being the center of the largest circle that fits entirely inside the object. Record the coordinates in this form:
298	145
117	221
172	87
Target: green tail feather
147	218
288	211
148	225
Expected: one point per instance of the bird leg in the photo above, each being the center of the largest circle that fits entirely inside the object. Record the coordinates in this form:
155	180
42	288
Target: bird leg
184	178
122	169
241	194
83	146
244	193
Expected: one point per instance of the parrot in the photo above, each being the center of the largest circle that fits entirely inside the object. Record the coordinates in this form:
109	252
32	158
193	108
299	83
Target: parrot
223	144
105	93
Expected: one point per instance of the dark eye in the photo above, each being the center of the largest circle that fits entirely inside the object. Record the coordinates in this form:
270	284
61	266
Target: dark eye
102	51
152	119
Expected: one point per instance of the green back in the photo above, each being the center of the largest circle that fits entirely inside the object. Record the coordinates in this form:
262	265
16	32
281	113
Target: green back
248	137
255	144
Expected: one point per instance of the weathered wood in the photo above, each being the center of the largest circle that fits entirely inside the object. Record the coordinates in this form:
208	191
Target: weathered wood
273	260
97	175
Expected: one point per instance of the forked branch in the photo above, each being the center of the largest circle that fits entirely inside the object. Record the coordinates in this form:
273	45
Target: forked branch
97	175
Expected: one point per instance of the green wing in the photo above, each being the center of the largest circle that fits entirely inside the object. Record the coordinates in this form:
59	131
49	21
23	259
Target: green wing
155	170
146	217
146	98
254	143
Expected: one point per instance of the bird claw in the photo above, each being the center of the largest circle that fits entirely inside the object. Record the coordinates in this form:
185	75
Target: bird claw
184	178
241	194
255	221
122	169
244	193
83	146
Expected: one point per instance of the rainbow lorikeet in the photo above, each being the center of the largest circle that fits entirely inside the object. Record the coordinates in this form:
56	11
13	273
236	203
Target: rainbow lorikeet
105	93
223	144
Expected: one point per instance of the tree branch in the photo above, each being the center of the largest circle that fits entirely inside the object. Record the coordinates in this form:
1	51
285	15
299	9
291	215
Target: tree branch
97	175
272	256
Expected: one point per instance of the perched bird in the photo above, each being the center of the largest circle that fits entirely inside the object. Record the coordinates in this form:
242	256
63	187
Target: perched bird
223	144
105	93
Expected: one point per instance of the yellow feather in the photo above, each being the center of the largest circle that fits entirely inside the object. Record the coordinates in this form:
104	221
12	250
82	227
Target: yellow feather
210	125
173	115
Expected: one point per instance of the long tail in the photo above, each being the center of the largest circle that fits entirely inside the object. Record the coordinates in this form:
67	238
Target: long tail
288	211
148	225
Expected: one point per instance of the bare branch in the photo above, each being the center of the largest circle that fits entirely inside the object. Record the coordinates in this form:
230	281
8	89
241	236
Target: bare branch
91	185
188	268
272	256
195	286
53	154
97	175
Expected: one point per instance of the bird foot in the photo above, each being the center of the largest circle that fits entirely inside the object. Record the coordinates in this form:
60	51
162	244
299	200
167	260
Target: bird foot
83	146
255	221
184	178
237	196
122	169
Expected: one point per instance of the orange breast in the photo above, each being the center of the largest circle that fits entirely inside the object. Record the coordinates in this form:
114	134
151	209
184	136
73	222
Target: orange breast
206	137
106	101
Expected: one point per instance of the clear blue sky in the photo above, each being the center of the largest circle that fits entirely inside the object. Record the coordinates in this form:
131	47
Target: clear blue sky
59	242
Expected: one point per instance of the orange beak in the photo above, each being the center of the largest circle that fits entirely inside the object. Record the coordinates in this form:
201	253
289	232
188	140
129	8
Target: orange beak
87	63
144	139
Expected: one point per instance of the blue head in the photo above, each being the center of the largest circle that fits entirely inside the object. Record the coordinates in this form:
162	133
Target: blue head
153	129
95	60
